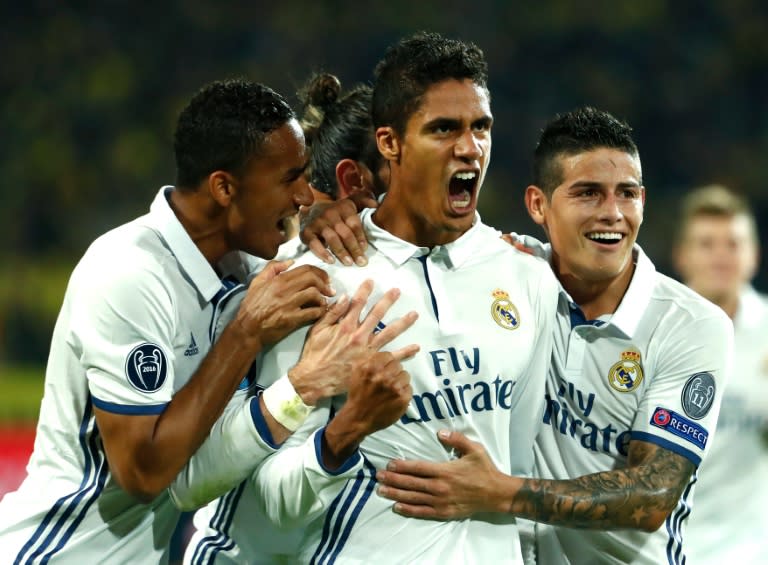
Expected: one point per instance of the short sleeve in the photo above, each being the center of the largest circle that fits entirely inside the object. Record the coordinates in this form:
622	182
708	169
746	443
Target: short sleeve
122	329
680	409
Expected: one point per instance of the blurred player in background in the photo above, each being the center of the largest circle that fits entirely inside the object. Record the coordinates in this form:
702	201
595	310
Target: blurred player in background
716	254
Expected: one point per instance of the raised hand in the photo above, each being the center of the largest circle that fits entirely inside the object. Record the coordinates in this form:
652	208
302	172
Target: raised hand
379	394
339	343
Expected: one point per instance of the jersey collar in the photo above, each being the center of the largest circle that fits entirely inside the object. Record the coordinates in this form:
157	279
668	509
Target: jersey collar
190	259
638	295
399	251
632	306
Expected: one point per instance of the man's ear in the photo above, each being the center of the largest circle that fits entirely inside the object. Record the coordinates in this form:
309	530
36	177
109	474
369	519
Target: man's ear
222	187
536	202
388	143
350	177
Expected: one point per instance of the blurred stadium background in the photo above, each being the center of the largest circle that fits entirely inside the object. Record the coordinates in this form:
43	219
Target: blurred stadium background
90	93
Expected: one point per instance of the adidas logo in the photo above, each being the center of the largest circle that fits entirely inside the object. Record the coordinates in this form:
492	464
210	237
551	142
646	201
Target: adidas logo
192	348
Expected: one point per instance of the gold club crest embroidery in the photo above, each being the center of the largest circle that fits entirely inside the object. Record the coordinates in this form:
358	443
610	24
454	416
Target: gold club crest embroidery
503	311
627	374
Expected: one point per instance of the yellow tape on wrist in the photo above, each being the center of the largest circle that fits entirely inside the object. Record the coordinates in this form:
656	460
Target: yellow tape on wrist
285	404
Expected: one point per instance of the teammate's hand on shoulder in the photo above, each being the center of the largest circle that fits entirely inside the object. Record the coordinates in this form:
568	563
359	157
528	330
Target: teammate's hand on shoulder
279	300
336	226
515	241
339	343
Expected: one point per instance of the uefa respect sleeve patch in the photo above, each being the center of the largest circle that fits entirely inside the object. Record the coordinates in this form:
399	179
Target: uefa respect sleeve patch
674	423
146	367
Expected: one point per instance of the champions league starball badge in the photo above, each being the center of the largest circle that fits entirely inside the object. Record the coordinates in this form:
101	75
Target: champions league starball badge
698	395
503	311
627	374
146	367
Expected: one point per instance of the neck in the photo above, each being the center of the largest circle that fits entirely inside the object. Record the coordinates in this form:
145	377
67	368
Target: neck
595	298
396	218
202	220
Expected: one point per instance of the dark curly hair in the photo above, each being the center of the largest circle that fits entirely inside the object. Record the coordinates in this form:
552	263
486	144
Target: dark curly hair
415	63
223	126
337	126
577	131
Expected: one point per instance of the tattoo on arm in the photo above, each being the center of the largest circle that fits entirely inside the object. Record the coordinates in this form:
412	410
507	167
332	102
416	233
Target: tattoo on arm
640	496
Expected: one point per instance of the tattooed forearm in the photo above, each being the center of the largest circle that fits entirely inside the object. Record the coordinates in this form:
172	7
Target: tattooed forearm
640	496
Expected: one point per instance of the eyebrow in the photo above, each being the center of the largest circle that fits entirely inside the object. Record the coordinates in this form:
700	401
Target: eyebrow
450	123
484	121
295	172
453	123
594	184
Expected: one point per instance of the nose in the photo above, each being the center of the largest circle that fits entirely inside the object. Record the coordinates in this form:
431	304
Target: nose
469	147
610	209
303	195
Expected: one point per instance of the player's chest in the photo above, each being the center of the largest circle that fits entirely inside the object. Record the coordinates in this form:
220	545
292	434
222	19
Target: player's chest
596	375
481	295
195	332
469	322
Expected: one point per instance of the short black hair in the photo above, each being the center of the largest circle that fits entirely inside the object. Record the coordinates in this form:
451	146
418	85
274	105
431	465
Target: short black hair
415	63
574	132
336	126
223	126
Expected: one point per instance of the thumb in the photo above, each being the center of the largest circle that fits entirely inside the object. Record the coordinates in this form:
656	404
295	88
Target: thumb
273	269
456	440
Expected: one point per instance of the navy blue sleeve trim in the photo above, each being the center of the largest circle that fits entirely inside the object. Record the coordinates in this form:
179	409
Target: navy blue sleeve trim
261	424
671	446
129	409
346	466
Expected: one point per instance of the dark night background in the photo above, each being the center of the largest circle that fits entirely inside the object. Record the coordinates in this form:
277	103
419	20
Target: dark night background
90	93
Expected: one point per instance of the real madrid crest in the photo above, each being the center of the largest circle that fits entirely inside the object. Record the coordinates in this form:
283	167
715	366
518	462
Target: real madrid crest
627	374
503	311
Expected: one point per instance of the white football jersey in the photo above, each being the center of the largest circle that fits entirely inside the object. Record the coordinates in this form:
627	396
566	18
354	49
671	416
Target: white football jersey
735	470
485	329
233	529
136	321
655	370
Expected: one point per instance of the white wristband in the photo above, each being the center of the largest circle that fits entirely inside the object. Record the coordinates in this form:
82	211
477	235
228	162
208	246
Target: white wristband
285	404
